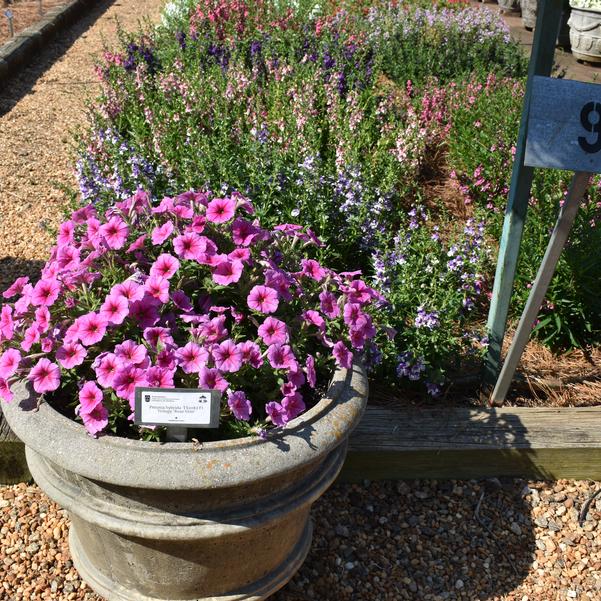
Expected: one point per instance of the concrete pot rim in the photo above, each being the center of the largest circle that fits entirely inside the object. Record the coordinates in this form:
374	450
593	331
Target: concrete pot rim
180	466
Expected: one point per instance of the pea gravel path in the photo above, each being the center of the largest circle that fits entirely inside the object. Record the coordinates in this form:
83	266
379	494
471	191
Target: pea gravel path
38	109
493	540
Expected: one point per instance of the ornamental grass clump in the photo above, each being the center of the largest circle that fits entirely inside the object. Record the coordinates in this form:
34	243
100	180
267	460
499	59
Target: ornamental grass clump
189	292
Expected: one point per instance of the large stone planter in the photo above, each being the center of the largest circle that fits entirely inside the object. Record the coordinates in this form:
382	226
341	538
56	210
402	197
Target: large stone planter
227	521
530	12
585	34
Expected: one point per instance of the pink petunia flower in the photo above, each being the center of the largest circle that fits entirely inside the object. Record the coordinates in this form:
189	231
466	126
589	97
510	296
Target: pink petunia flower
263	299
108	367
313	269
310	370
214	330
189	246
115	232
45	375
71	354
277	414
16	287
192	357
273	331
239	405
126	380
89	396
137	244
7	325
244	232
352	312
212	379
131	353
45	293
293	405
129	290
158	288
47	344
31	337
161	233
329	305
227	356
181	301
315	319
221	210
114	309
281	357
92	328
165	266
158	336
359	292
5	391
159	377
251	353
227	272
239	254
9	363
344	357
96	420
42	319
166	359
67	258
145	311
65	233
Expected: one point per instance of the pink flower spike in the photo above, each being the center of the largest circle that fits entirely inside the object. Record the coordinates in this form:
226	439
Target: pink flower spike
165	266
239	405
212	379
192	357
16	287
344	357
310	370
9	363
227	356
45	293
71	354
282	357
97	420
89	396
161	233
221	210
273	331
114	309
92	328
115	232
158	288
45	376
227	272
263	299
5	391
313	269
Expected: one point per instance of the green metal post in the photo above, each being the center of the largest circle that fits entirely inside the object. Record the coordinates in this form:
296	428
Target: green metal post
541	63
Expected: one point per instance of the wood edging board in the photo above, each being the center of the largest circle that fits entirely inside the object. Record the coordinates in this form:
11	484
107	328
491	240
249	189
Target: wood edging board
23	48
543	443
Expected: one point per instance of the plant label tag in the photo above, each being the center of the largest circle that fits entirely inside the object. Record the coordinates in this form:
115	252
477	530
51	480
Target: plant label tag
8	13
564	125
184	407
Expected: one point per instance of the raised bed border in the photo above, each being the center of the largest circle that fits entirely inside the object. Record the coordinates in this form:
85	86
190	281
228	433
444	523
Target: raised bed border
540	443
23	48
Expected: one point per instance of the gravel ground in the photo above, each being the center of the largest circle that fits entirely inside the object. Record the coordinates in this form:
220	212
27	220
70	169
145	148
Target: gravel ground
494	540
38	109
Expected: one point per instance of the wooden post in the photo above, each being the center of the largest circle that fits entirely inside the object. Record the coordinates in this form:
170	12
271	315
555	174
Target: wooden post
557	241
543	50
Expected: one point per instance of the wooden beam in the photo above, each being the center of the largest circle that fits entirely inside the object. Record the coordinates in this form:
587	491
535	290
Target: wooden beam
464	443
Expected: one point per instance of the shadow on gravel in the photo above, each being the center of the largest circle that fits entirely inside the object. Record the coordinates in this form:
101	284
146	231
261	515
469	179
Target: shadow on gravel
11	268
421	539
13	89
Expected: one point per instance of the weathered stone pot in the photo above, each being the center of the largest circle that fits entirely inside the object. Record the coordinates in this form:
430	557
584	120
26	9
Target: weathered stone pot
529	14
509	5
227	521
585	34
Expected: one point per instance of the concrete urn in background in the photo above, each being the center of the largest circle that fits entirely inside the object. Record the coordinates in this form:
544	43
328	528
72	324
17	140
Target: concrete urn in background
225	520
509	5
585	34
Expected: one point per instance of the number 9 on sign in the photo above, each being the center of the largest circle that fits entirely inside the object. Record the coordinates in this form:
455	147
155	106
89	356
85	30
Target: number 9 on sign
591	126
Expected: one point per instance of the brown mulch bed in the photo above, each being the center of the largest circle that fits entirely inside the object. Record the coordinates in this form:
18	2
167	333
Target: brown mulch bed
25	13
